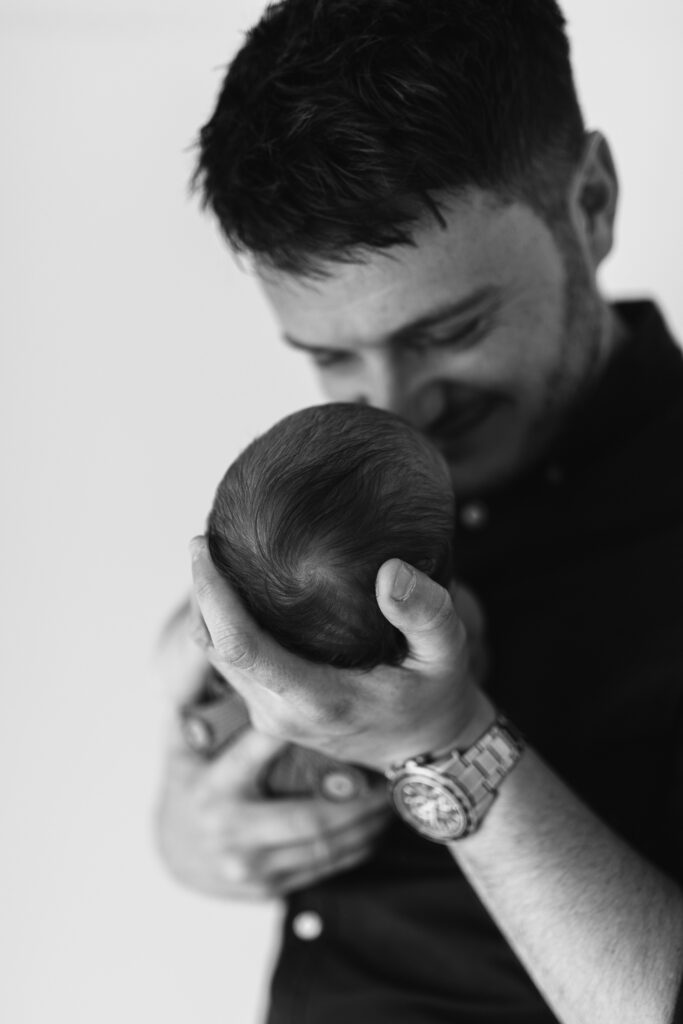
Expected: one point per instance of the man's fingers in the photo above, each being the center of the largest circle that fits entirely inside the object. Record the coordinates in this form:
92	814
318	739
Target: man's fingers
295	821
233	632
422	611
238	641
273	872
236	771
321	855
317	873
282	821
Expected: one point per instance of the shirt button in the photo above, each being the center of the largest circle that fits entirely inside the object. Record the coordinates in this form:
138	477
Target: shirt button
307	925
474	515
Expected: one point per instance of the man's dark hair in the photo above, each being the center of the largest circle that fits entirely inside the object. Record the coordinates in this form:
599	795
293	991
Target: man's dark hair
307	514
341	123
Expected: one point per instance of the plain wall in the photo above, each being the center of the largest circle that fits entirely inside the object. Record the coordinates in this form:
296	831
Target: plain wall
137	360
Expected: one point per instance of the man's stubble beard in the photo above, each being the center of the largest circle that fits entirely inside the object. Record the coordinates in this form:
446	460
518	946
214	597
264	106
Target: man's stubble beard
582	346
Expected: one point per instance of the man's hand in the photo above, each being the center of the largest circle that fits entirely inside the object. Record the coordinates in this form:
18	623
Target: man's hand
217	833
373	718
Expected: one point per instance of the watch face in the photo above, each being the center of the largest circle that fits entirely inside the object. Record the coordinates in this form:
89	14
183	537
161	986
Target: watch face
431	804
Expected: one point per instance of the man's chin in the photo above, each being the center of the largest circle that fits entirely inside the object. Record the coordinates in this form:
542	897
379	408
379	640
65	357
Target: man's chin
476	468
476	477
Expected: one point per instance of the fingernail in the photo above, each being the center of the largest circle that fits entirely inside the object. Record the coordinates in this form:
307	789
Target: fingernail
404	582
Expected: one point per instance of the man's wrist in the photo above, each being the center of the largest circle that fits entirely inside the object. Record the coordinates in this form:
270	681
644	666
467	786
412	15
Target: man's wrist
482	715
445	794
479	715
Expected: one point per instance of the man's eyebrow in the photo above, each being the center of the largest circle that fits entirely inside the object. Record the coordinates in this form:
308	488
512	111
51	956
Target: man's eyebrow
301	345
471	303
448	311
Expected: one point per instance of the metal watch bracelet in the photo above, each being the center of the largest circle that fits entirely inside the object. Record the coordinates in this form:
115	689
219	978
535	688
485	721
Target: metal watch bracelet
445	796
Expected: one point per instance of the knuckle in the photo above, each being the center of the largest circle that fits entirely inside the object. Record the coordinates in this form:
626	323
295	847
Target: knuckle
236	649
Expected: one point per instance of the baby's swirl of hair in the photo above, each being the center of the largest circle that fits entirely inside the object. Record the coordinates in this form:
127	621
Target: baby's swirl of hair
306	515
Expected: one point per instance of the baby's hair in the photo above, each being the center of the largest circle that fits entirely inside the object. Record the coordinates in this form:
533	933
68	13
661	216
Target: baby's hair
307	514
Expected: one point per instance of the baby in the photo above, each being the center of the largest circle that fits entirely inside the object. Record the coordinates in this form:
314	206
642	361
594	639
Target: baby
307	514
300	525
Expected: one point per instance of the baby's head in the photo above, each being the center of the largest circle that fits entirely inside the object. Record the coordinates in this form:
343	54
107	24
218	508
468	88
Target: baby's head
307	514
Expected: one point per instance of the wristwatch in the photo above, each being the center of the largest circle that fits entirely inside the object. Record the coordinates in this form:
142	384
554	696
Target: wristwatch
446	796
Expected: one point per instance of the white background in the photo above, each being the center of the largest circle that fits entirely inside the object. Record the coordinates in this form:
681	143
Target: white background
137	360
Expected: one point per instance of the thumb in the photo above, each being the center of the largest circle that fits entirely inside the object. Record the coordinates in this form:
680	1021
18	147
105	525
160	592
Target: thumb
422	610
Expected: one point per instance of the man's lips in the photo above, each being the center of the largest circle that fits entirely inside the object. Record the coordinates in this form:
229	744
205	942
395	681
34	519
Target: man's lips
453	425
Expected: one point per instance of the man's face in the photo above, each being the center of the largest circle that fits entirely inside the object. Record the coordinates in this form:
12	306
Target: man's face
482	335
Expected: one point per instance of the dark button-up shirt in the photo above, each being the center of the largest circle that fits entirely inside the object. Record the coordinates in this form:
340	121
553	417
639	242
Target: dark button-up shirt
579	566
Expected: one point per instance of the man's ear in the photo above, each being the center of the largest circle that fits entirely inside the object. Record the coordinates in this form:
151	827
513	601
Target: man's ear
593	198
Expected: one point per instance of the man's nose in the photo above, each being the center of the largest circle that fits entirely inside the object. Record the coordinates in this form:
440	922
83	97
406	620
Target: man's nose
383	388
394	388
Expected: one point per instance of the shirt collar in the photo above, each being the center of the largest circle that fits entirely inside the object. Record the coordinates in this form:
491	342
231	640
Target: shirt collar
643	378
605	471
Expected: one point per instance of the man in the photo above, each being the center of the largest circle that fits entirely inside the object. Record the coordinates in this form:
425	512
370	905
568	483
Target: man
427	215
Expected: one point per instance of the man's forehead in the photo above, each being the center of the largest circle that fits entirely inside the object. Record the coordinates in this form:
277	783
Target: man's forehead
404	327
456	266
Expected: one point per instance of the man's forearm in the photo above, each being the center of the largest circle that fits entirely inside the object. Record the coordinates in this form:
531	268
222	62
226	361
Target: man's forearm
598	928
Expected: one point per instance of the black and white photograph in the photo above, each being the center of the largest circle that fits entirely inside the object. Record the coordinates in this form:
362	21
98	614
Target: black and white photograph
341	421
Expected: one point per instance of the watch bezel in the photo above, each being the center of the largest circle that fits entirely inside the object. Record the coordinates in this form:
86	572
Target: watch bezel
446	785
